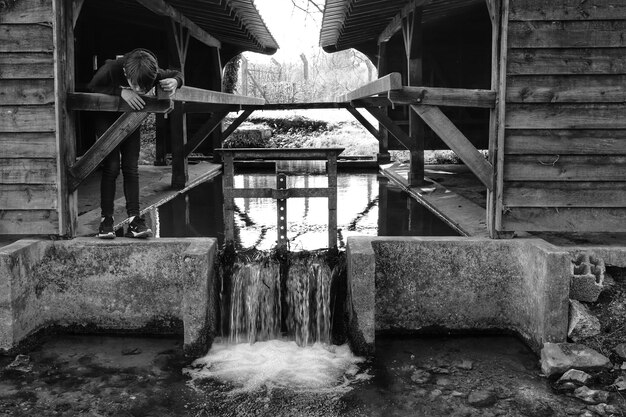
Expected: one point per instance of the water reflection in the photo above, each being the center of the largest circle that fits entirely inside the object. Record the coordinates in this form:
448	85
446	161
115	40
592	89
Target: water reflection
367	204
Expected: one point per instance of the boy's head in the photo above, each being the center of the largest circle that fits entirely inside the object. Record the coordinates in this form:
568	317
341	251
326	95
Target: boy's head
140	69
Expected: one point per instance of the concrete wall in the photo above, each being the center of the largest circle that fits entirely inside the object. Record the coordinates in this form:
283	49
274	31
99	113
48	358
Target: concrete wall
153	286
411	284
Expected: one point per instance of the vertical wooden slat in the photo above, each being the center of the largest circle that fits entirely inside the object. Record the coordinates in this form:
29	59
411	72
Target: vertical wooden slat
499	167
178	137
383	141
332	200
228	183
65	119
281	211
414	77
494	13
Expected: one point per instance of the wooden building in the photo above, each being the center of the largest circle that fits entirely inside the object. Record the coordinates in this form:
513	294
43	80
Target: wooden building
541	84
49	50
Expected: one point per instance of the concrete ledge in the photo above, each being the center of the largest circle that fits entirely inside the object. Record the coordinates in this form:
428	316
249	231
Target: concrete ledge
152	286
421	284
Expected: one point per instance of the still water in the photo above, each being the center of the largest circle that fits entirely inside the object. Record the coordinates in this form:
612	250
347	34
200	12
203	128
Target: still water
367	204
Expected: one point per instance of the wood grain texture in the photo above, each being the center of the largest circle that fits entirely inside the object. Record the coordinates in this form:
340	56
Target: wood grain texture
565	142
28	171
27	92
566	89
552	61
564	219
36	222
565	116
28	11
27	119
26	65
567	9
31	197
27	145
567	34
565	194
564	168
25	38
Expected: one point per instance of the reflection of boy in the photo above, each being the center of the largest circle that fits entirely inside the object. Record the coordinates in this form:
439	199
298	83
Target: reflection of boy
133	74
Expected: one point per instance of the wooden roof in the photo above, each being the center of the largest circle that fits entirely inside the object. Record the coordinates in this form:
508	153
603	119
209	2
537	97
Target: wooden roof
347	23
234	22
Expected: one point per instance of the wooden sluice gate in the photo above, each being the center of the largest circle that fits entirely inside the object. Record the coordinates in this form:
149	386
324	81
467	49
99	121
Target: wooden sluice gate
281	193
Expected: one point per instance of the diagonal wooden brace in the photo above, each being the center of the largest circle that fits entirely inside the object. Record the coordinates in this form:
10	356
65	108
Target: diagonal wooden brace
126	124
366	124
391	126
451	136
236	123
204	132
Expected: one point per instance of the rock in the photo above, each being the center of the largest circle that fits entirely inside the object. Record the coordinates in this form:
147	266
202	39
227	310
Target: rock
575	376
558	358
619	384
571	411
598	409
464	364
587	278
591	396
587	413
620	350
534	402
457	394
440	370
21	363
421	376
482	398
503	392
131	351
612	410
443	381
582	324
435	393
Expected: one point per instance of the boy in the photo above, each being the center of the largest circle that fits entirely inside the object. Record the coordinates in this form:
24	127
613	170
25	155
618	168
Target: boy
133	74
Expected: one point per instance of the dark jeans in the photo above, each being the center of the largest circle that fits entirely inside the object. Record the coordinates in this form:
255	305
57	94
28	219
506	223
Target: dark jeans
128	150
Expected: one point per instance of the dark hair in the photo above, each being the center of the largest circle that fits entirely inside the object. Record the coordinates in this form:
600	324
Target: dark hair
141	68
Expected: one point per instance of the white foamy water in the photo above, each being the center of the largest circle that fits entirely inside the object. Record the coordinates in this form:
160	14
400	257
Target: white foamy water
280	364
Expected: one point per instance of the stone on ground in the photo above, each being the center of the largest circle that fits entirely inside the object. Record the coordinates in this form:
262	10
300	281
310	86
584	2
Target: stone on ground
591	396
582	324
620	350
575	376
482	398
558	358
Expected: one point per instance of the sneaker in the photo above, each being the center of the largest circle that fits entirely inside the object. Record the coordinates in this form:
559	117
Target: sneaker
106	228
137	228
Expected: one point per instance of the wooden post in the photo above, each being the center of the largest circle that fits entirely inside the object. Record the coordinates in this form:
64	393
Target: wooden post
228	183
281	211
383	156
332	200
413	36
66	132
161	124
178	137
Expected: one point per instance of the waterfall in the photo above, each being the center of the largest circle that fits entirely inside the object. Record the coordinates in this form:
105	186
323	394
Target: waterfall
257	301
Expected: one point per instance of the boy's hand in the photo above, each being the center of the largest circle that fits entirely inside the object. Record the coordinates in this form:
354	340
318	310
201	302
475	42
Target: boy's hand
169	85
133	99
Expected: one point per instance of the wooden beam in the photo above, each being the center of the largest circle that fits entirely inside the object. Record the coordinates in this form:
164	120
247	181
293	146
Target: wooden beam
396	23
366	124
161	8
382	85
435	96
199	95
279	153
391	126
204	132
109	103
236	123
461	146
77	6
414	45
178	142
126	124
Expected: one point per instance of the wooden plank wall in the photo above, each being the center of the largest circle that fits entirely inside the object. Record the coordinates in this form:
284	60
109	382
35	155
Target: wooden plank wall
565	123
28	149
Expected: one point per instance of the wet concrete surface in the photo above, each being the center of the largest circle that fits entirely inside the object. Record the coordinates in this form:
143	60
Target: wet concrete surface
129	376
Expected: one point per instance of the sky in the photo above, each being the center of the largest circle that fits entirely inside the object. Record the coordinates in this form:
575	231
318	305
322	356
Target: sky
294	30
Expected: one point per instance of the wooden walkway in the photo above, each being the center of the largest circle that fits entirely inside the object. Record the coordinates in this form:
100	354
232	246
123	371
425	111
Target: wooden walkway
463	215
